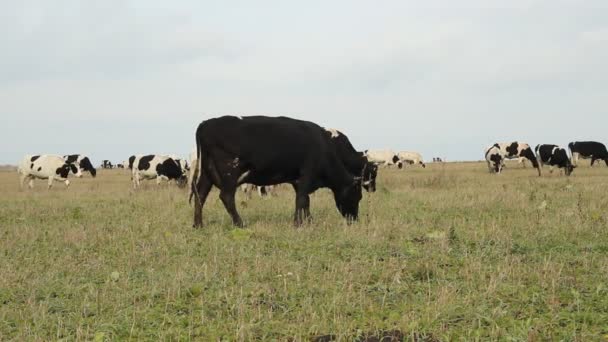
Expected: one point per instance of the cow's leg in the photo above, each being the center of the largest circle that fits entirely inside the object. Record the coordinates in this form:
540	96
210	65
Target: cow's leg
575	158
522	161
551	169
490	168
50	183
22	178
227	196
593	159
202	191
67	183
30	184
302	208
302	203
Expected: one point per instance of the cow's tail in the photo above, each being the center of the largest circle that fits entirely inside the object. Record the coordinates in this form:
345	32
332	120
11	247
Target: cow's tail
196	170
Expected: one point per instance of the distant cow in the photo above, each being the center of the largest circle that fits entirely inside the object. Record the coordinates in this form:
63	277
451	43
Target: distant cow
157	167
106	164
517	150
494	158
383	157
262	191
355	162
271	150
412	158
82	161
120	166
554	155
588	149
46	166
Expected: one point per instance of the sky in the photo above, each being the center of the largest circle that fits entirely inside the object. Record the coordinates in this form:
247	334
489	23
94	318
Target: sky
446	78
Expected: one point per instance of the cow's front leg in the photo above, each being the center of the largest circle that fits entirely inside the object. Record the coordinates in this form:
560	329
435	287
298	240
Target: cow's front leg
302	209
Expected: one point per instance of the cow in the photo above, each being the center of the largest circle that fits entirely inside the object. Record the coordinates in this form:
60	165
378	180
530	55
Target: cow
383	157
411	158
264	150
554	155
82	161
157	167
106	164
120	166
355	162
494	158
517	150
45	166
588	149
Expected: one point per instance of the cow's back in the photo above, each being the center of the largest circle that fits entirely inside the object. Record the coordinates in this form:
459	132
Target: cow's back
263	142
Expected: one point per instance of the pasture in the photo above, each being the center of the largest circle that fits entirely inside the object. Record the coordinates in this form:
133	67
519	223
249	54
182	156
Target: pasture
445	253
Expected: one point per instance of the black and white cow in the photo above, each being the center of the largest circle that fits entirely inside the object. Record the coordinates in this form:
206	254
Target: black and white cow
554	155
106	164
494	158
411	158
355	162
82	161
383	157
588	150
120	166
517	150
270	150
157	167
46	166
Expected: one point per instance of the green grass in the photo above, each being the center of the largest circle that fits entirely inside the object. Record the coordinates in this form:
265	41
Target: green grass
447	253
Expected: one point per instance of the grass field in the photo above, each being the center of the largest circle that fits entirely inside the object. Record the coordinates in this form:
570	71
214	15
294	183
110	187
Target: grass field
444	253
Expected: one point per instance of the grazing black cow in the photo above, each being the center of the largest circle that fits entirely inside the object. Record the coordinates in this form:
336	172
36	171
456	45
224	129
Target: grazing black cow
120	166
554	155
356	162
271	150
157	167
588	149
83	162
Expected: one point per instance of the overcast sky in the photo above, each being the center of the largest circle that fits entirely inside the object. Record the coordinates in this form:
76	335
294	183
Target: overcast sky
443	77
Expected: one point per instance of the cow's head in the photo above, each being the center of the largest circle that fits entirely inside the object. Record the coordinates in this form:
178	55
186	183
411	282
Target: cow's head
370	171
347	199
569	168
85	165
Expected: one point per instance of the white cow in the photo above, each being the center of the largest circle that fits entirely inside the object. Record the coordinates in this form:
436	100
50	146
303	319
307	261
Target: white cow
45	166
412	158
383	157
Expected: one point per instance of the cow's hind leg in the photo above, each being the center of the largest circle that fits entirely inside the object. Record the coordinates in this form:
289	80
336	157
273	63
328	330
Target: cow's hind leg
201	192
227	196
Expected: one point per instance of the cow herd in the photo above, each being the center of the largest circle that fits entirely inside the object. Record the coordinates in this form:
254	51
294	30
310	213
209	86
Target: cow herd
545	154
259	152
